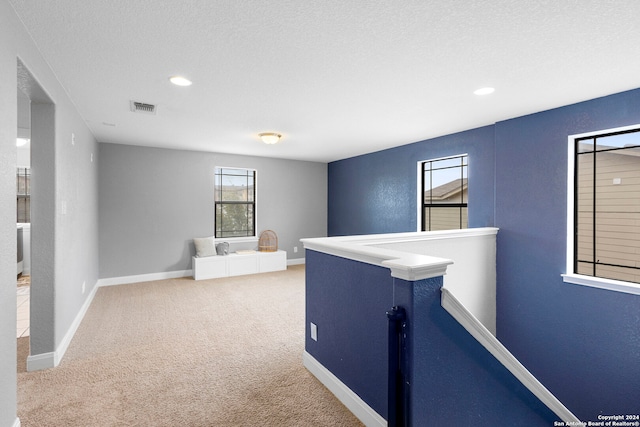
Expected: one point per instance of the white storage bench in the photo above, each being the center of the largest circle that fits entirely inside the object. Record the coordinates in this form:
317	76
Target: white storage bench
238	264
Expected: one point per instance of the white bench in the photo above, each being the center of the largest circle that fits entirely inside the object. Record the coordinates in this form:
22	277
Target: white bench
238	264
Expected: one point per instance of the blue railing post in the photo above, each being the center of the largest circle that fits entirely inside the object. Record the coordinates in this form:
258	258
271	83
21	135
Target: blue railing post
397	399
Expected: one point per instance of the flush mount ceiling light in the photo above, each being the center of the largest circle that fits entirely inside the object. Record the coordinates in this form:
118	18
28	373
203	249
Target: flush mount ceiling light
270	137
484	91
180	81
21	141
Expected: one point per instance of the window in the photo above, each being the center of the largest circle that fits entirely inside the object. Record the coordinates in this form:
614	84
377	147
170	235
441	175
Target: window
606	205
23	190
444	193
235	195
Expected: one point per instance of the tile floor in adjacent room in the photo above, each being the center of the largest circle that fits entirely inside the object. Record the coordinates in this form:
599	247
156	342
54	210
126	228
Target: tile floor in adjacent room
23	294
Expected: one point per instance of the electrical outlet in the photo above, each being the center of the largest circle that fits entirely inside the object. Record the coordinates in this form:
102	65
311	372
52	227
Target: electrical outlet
295	249
314	331
83	287
73	138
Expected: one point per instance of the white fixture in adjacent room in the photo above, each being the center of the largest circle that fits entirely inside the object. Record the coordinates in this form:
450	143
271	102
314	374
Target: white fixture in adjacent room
21	142
270	137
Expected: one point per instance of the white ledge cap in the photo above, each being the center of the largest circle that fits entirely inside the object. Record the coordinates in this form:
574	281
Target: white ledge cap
417	267
403	264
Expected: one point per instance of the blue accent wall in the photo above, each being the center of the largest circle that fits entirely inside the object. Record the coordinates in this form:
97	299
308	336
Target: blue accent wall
582	343
377	193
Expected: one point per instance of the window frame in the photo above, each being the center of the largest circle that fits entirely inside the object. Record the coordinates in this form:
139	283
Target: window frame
421	190
571	276
248	238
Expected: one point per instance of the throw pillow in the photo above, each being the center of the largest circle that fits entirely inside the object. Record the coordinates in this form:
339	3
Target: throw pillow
204	246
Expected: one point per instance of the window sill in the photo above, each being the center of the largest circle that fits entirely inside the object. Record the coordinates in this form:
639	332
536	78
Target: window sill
249	239
597	282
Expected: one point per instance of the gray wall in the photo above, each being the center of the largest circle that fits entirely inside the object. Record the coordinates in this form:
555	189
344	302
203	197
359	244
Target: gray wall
64	246
153	202
8	130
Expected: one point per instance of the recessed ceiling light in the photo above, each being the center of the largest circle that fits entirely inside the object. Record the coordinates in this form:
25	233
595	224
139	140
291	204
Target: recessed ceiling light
484	91
180	81
21	141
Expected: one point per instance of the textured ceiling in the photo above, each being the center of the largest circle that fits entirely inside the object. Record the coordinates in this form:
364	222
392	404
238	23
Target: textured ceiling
337	78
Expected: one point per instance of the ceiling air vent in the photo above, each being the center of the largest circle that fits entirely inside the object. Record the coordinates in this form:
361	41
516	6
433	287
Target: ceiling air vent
142	107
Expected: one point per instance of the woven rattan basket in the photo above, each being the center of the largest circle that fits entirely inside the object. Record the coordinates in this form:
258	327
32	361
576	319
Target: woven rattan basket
268	241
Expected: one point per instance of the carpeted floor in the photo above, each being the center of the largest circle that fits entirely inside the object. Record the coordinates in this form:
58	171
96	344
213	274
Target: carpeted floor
179	352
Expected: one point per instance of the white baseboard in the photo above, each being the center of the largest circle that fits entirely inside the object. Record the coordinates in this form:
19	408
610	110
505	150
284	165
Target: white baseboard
16	423
352	401
123	280
111	281
38	362
41	361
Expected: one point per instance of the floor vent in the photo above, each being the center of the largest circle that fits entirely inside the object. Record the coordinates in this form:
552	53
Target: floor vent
142	107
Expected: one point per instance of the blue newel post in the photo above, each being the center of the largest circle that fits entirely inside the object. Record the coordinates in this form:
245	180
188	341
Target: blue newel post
420	356
416	288
416	297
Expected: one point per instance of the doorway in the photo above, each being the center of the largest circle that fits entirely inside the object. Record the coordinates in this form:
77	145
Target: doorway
23	214
40	110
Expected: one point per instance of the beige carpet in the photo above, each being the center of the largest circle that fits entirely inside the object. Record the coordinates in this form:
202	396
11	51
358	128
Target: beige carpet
223	352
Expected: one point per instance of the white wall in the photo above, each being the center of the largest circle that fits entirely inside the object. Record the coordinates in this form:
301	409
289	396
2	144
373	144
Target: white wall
472	276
